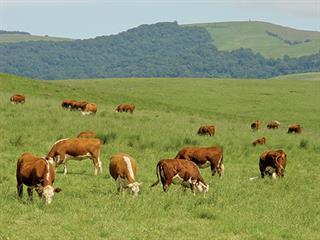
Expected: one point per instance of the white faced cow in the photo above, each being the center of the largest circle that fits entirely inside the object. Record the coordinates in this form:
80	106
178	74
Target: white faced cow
123	169
76	148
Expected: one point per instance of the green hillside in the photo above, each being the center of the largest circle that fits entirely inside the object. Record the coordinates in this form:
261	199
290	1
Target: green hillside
268	39
11	38
167	116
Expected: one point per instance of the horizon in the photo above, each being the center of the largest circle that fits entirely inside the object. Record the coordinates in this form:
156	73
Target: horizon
83	19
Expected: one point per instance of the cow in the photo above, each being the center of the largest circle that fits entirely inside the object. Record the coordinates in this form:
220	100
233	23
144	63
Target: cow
126	108
256	125
259	141
295	128
207	130
89	108
18	98
204	157
179	171
87	135
273	125
76	148
66	104
273	163
123	169
36	173
76	105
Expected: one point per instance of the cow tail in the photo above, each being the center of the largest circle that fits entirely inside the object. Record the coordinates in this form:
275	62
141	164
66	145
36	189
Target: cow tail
157	172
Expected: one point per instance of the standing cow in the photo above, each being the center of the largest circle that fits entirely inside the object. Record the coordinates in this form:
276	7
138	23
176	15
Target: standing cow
207	130
204	157
37	173
178	171
295	128
273	125
273	163
126	108
18	98
76	148
123	169
259	141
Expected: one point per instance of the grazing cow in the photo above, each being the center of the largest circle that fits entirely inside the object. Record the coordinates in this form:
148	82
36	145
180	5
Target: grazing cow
37	173
204	157
126	108
295	128
178	171
89	108
122	168
256	125
273	125
18	98
207	130
259	141
76	148
273	163
87	135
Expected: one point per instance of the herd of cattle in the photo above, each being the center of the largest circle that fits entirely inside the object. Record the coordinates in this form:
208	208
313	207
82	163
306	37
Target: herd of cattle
38	173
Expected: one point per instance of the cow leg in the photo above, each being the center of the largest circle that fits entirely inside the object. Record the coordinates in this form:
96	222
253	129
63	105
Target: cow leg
65	170
262	170
166	185
119	185
30	190
95	156
221	170
20	188
193	189
213	168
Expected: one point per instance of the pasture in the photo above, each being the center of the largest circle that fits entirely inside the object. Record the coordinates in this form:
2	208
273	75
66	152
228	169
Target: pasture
167	116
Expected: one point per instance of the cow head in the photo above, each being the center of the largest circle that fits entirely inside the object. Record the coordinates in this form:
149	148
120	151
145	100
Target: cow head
202	187
134	187
47	193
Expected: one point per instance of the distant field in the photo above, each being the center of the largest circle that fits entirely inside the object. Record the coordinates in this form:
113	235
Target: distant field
234	35
168	114
8	38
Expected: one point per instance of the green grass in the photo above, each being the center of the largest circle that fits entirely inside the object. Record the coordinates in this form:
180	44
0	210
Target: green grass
167	116
229	36
10	38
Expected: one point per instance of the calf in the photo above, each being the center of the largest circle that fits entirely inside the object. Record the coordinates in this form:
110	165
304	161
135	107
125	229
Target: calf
87	135
37	173
207	130
256	125
259	141
76	148
295	128
18	98
126	108
122	168
204	157
273	163
89	108
178	171
273	125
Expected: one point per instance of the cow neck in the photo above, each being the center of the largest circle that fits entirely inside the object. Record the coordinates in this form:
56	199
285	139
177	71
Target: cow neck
47	181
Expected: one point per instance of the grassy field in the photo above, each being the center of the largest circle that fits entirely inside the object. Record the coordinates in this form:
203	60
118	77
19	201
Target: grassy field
168	114
234	35
10	38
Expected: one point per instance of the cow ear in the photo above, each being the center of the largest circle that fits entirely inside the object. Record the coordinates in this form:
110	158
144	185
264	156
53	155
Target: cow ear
57	190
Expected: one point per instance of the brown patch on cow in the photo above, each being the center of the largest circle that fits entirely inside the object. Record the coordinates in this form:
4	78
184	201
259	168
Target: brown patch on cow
273	161
207	130
256	125
259	141
295	128
87	135
126	108
18	98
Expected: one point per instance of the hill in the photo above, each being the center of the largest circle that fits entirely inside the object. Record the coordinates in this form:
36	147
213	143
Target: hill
270	40
156	50
167	116
17	36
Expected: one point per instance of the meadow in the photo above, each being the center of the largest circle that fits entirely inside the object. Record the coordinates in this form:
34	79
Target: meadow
167	116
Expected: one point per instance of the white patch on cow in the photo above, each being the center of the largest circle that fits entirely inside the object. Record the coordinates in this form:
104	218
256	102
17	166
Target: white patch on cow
129	166
205	165
60	140
277	122
202	187
48	171
177	179
274	175
47	194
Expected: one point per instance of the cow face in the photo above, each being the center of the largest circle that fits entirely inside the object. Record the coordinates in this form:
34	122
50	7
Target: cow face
134	187
47	193
202	187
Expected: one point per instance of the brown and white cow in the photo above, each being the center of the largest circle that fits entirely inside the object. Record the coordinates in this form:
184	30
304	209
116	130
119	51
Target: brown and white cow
89	108
123	169
204	157
256	125
273	125
295	128
259	141
18	98
87	135
126	108
76	148
207	130
67	103
273	163
37	173
178	171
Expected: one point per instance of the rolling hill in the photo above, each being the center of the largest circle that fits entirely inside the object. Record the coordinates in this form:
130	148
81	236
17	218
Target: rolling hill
270	40
16	36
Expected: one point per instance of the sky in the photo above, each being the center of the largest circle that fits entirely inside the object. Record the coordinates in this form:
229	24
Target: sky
80	19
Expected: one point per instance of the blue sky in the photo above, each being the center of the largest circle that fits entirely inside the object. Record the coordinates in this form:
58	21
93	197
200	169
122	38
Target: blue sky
90	18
